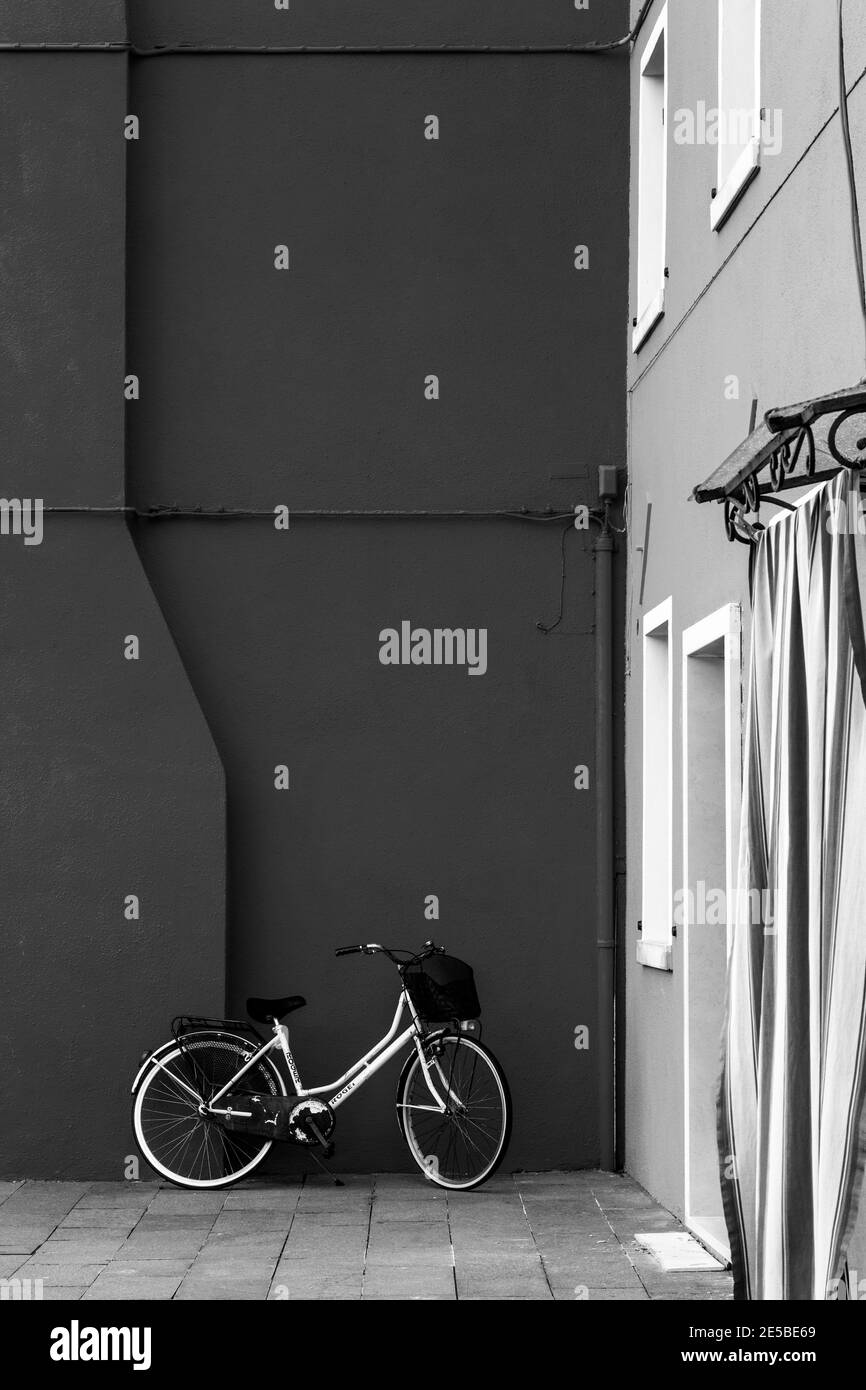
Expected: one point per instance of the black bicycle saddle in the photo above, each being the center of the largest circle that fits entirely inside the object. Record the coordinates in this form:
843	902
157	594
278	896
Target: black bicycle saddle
264	1010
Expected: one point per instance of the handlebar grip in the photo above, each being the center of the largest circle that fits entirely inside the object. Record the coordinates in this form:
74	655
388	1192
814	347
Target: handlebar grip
348	950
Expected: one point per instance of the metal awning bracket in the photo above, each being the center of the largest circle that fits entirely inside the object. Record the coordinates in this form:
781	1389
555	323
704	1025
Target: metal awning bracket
792	447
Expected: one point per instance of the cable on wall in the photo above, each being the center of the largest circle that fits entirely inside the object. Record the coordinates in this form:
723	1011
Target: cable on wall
598	516
547	628
174	512
849	165
253	50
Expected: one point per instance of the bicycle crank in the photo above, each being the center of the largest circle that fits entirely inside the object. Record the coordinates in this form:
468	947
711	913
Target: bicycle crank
312	1122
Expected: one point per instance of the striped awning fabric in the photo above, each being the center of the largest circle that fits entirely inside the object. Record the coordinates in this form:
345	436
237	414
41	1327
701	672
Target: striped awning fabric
791	1139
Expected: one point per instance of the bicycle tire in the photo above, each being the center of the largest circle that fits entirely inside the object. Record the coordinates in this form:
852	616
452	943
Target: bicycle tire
441	1148
166	1123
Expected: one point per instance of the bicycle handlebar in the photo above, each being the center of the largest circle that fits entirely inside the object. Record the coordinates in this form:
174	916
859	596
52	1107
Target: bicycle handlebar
372	948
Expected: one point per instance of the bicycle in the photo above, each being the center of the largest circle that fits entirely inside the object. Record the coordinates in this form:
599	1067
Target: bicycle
209	1104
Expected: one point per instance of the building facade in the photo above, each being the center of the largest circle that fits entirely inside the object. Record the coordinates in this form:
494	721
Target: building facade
743	297
306	347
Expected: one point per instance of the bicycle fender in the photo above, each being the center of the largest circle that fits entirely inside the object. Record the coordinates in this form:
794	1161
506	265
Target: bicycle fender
154	1053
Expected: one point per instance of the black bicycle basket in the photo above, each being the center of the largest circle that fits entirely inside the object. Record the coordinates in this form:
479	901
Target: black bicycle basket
442	988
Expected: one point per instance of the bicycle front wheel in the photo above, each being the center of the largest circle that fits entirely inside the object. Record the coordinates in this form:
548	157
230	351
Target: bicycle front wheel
459	1136
188	1148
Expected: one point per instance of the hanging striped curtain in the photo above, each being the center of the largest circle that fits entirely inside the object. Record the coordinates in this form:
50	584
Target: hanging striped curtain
791	1113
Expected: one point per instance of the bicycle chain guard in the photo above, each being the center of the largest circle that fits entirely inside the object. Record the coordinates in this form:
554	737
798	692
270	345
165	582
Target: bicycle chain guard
285	1118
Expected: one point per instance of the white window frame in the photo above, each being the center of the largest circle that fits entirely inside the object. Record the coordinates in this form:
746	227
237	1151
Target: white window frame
655	945
648	313
730	190
725	623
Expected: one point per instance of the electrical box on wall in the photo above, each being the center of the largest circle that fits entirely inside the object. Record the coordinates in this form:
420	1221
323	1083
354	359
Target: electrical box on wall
608	482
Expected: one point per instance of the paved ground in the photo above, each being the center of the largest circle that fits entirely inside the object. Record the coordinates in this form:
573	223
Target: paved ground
530	1236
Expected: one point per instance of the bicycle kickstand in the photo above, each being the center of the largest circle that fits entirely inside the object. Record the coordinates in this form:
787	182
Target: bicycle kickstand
328	1149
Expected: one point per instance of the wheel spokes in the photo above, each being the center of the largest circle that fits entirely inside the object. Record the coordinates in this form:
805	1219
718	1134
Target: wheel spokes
190	1146
464	1141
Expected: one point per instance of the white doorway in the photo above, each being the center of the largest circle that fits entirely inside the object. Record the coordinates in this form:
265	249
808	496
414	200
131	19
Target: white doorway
711	797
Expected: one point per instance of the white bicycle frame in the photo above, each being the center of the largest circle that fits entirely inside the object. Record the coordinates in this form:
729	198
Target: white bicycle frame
357	1075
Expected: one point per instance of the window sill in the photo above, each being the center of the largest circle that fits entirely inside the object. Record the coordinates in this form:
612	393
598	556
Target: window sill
649	318
655	954
735	185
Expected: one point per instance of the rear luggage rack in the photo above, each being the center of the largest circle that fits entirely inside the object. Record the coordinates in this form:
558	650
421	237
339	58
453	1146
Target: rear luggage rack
188	1023
182	1024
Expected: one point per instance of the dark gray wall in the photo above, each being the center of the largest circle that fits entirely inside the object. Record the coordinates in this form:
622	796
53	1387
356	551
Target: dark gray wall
306	388
522	22
111	785
409	257
404	782
63	21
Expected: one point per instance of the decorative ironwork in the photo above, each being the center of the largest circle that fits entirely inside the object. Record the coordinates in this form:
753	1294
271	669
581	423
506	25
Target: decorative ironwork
833	435
736	525
793	447
745	500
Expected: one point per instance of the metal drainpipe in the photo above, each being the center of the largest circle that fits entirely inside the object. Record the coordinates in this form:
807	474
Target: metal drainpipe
604	839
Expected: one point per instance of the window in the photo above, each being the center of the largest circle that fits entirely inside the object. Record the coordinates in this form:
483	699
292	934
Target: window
739	108
654	946
652	184
711	796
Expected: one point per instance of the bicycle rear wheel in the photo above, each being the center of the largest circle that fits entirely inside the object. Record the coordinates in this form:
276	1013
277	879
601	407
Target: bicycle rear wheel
460	1143
190	1149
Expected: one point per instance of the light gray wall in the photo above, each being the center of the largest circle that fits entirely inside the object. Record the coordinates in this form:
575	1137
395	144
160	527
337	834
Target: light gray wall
772	299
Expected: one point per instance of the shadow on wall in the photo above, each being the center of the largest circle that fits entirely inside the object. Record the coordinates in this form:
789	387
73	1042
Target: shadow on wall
114	846
405	783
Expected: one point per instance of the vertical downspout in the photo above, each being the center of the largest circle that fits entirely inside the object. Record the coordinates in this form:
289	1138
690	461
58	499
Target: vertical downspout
604	838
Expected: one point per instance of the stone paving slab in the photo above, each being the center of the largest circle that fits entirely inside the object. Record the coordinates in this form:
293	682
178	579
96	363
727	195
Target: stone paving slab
161	1244
410	1282
148	1269
520	1277
230	1245
634	1294
534	1236
59	1274
112	1288
408	1242
344	1217
98	1219
244	1222
407	1211
174	1203
121	1201
23	1242
249	1290
143	1189
292	1282
566	1280
77	1252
